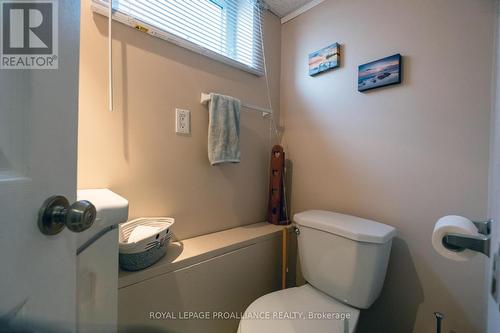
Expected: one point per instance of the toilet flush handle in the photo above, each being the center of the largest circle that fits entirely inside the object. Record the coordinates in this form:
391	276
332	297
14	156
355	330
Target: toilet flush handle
56	214
296	230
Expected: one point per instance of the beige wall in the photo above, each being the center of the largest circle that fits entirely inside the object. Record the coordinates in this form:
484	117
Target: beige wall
134	150
403	155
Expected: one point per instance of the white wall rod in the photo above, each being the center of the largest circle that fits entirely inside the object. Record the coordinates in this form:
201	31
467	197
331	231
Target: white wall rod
110	54
205	98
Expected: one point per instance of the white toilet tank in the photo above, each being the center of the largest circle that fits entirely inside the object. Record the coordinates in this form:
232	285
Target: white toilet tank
344	256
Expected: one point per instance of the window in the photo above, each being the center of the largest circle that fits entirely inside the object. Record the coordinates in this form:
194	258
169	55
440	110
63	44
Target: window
226	30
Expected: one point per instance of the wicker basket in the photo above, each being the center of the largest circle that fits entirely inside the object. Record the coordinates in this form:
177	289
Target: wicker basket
145	252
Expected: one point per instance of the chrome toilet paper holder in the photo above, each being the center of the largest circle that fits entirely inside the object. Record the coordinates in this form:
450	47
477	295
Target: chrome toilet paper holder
480	243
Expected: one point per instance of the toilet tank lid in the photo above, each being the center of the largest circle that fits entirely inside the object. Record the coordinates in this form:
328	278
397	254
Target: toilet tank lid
352	227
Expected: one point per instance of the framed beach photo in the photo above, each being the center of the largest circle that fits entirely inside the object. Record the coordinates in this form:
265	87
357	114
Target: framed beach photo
380	73
324	59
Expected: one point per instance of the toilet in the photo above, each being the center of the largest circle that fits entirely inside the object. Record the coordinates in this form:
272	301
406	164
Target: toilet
344	261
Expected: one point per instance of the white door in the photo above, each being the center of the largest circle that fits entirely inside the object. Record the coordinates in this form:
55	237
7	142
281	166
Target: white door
493	274
38	146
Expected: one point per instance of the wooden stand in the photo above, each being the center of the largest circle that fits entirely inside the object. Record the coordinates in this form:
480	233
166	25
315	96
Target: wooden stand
277	208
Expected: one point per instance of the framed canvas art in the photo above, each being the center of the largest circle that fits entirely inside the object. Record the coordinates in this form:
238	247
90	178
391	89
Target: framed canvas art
324	59
380	73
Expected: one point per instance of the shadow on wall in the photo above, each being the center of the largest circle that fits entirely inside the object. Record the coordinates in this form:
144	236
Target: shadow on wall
4	162
128	35
288	187
10	325
401	296
249	138
142	328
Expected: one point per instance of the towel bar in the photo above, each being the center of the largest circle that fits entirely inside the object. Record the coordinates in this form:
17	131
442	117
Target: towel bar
205	98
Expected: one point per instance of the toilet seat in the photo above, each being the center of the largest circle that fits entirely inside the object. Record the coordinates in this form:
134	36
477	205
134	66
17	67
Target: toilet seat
289	310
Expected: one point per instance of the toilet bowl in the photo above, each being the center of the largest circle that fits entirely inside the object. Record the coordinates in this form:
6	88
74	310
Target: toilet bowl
301	309
344	261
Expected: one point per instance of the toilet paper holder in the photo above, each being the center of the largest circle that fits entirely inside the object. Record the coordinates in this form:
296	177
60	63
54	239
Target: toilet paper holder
480	243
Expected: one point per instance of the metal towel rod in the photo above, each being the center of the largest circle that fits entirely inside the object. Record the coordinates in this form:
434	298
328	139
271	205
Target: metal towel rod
205	98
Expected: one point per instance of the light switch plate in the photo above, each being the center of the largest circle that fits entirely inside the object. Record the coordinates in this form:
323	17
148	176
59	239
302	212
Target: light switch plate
182	121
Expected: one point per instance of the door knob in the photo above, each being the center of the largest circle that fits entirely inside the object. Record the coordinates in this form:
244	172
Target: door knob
56	213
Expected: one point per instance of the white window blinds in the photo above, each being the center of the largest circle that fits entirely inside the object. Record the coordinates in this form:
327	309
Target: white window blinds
225	30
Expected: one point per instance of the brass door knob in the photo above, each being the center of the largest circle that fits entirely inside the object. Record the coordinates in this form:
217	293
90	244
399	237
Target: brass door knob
56	213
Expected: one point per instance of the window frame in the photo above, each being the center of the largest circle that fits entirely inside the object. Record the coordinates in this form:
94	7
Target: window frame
101	7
